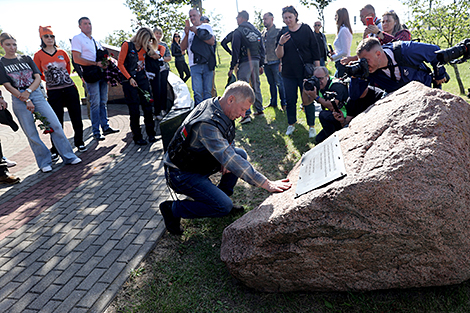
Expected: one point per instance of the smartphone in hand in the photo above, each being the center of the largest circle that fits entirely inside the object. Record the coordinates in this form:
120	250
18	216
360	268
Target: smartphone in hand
369	21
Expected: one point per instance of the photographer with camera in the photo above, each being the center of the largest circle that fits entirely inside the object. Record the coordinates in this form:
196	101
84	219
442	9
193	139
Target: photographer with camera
394	65
331	94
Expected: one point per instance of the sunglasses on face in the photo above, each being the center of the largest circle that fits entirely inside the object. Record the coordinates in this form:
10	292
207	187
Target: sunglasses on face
49	36
177	36
317	25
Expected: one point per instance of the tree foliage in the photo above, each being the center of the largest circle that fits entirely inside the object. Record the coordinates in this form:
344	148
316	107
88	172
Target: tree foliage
320	5
117	38
258	20
152	13
444	23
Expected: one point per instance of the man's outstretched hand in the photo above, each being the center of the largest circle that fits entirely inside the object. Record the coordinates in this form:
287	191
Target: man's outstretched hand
277	186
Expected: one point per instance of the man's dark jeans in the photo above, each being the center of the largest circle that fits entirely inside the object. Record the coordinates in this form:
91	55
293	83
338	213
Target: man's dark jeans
275	82
209	200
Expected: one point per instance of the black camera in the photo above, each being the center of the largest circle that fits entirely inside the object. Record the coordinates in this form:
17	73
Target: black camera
358	69
462	49
331	96
312	82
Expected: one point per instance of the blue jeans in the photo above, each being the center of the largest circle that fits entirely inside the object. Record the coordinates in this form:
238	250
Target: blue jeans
98	112
291	86
275	82
209	200
201	78
249	71
26	119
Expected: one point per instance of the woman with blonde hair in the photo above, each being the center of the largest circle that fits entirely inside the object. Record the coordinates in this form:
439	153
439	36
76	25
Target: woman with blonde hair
342	41
21	77
136	88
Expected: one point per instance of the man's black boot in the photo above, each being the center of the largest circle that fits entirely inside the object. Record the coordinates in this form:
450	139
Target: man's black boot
172	223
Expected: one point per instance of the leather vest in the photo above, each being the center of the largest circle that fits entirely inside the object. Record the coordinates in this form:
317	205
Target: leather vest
251	41
200	160
132	59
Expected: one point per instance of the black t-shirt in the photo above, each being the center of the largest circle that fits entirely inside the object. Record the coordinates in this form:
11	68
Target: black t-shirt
306	43
340	89
19	71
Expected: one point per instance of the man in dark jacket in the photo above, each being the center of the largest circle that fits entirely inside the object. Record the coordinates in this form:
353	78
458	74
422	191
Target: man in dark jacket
202	146
248	52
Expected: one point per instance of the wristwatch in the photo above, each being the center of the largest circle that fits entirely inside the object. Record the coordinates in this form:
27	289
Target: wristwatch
29	90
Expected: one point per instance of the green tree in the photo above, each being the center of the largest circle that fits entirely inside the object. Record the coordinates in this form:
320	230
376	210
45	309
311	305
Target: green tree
152	13
443	24
320	5
117	38
258	20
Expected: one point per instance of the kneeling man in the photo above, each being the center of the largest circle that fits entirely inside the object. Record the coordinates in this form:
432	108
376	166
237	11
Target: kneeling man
202	146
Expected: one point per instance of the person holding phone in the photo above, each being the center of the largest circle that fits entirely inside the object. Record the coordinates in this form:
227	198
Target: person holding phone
343	40
297	46
392	29
368	11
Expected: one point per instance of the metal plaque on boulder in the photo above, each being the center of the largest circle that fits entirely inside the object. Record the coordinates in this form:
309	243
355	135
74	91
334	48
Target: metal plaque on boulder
320	166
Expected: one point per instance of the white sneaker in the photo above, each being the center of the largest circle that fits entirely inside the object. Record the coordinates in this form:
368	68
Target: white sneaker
46	169
76	161
312	132
9	162
290	130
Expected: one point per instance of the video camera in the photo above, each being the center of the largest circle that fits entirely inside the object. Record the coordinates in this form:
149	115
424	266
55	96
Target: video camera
359	69
462	49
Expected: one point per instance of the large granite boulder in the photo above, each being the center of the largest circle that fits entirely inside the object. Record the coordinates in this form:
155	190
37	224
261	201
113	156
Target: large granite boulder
399	219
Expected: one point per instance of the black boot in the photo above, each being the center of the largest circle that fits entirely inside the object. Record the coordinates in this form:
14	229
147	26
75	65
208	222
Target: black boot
172	223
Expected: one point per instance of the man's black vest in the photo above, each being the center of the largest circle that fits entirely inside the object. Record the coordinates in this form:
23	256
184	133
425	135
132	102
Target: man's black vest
251	41
200	160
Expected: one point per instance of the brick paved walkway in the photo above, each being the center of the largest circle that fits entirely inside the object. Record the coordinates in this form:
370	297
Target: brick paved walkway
69	238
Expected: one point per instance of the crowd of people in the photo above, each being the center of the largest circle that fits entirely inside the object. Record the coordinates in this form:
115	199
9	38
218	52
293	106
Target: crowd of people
292	57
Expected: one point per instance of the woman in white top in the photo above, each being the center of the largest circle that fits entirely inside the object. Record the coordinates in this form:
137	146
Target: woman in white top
342	41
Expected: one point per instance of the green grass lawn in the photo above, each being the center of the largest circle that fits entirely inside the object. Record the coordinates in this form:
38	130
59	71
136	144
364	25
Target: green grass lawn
185	274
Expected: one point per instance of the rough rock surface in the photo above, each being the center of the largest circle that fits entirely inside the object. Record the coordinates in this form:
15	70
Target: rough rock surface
399	219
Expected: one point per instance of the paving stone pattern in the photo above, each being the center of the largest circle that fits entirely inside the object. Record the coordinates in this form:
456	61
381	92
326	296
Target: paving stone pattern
70	238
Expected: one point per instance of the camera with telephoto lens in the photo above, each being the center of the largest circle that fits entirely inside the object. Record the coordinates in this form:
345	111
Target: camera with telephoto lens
359	69
312	82
462	49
